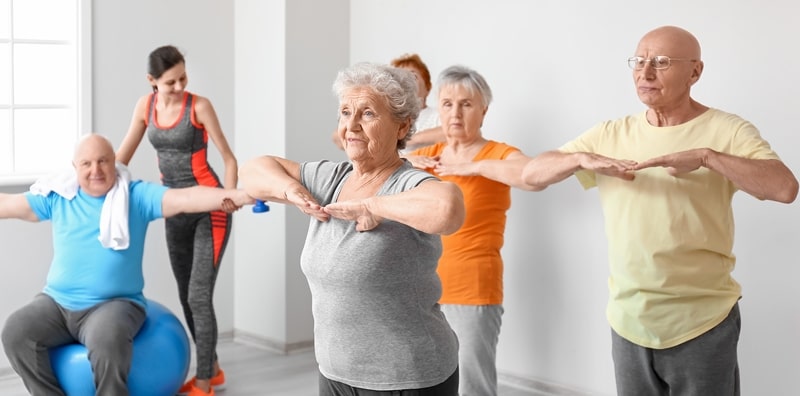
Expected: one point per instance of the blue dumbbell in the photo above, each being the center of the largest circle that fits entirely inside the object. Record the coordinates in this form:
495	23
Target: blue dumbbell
260	207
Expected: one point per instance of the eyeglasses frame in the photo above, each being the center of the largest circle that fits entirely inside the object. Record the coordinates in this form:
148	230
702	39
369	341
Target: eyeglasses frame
651	62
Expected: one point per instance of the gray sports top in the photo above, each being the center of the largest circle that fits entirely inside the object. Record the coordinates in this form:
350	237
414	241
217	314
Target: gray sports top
377	322
181	147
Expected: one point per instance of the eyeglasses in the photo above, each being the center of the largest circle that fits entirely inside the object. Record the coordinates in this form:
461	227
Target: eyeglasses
659	62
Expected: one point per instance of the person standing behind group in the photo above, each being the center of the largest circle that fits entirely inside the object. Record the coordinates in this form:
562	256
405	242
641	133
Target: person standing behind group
666	178
378	329
427	126
471	267
178	124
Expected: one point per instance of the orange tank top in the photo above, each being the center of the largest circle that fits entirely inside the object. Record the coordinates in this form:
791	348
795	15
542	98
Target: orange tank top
471	268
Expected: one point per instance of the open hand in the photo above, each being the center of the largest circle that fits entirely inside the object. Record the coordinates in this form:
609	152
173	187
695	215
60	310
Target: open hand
603	165
303	200
354	211
423	162
678	163
457	169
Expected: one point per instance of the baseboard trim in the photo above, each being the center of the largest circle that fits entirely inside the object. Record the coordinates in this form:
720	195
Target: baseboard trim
538	387
534	386
257	341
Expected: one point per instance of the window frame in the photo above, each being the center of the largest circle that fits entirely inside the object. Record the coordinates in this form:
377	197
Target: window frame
83	100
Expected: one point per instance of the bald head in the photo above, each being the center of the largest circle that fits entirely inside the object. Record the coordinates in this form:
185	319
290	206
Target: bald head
93	143
671	41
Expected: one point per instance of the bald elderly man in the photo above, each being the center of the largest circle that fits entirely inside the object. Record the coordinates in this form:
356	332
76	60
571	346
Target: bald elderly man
93	293
666	179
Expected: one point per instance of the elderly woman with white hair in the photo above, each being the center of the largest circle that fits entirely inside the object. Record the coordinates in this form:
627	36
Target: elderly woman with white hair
471	268
378	328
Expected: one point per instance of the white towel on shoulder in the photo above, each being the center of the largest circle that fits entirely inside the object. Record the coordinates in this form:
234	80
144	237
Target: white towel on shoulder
64	184
114	231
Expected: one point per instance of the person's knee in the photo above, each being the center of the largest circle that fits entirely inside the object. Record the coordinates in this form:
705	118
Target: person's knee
110	342
14	334
9	338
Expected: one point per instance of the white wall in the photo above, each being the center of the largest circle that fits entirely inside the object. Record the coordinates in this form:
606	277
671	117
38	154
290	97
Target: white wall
557	68
287	54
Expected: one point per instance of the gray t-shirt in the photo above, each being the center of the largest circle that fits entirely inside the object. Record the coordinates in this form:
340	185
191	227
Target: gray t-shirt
377	322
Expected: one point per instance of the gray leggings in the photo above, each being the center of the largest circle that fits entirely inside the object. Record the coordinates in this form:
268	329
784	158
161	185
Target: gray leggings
704	366
478	330
196	243
107	331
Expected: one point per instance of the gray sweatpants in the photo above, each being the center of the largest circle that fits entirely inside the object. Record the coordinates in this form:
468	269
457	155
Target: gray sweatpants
478	329
107	331
704	366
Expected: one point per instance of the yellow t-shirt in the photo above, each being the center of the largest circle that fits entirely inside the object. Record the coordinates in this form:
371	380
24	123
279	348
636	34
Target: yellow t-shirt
670	239
471	268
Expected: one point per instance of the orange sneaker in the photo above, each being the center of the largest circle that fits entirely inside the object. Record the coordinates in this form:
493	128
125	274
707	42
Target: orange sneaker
217	382
199	392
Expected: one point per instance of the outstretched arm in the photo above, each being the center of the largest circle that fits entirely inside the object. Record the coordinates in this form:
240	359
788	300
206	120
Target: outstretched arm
200	199
507	171
764	179
434	207
16	206
554	166
276	179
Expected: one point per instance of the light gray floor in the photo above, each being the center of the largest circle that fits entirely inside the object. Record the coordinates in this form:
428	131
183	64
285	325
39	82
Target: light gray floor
252	371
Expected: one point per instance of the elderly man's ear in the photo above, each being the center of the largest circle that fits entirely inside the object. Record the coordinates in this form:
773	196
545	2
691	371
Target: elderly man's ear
697	71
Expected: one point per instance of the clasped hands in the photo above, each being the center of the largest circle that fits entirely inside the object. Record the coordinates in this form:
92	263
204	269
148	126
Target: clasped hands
235	202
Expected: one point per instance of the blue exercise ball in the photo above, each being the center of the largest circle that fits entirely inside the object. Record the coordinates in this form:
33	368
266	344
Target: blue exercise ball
161	355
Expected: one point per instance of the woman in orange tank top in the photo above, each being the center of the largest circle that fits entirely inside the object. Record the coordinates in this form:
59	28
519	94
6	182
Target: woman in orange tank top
471	268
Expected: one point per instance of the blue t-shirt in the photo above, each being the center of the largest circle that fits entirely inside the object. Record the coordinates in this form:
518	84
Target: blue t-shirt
83	272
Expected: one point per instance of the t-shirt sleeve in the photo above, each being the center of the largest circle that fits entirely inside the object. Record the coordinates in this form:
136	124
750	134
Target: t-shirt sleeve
410	178
748	143
585	143
321	178
41	205
147	199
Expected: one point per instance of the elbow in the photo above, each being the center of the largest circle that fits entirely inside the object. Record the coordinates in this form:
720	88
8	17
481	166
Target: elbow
532	186
531	180
784	188
453	211
249	174
788	194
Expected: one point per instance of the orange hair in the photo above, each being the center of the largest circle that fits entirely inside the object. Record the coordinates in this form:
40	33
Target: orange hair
416	62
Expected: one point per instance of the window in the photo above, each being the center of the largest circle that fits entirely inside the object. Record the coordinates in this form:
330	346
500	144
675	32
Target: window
45	85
